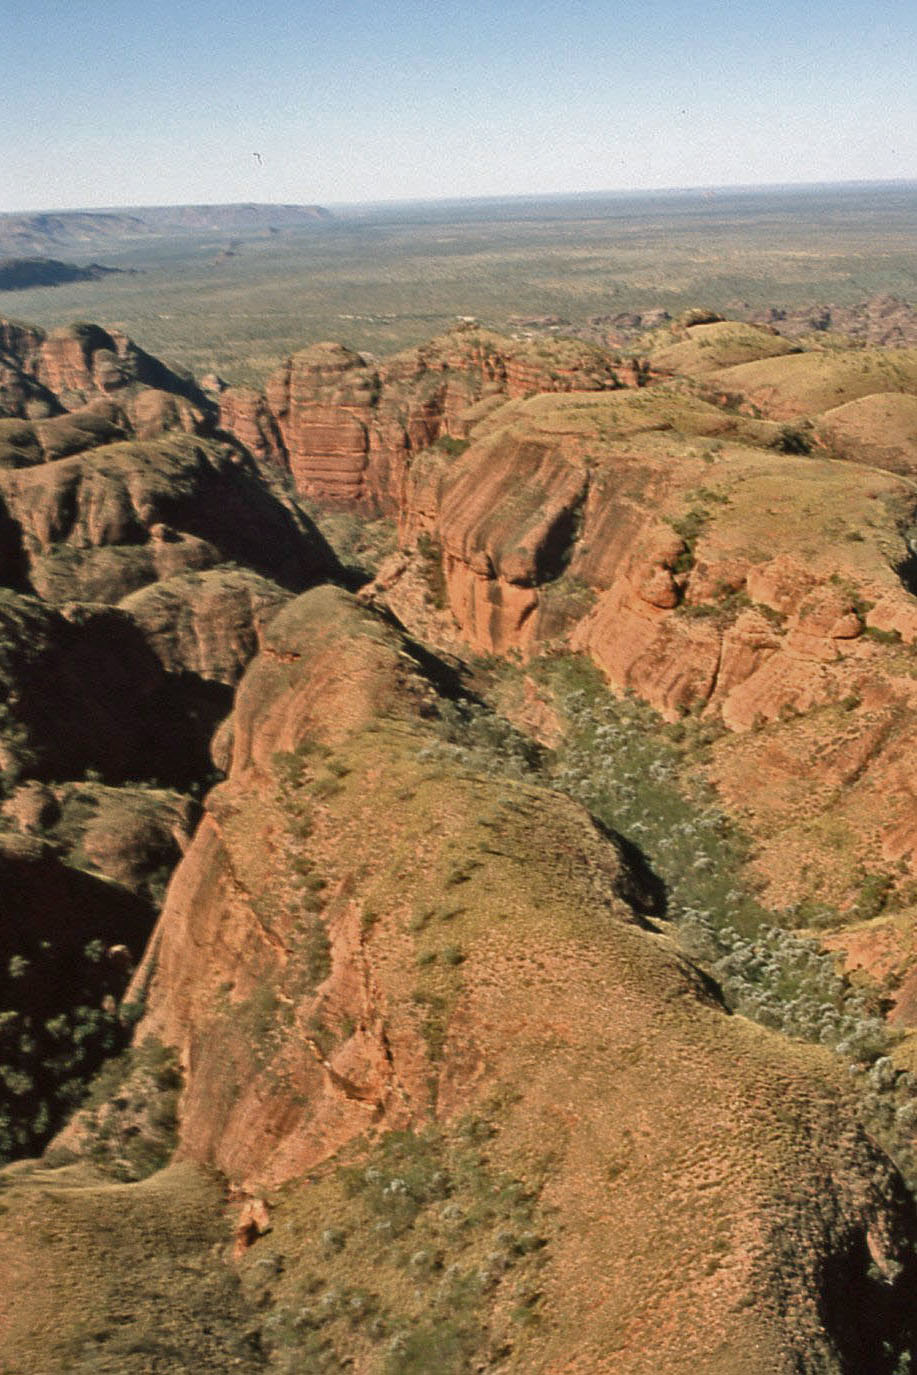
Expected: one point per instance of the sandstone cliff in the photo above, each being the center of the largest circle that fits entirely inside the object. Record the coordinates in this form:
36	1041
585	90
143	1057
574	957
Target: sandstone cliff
676	532
711	572
98	526
349	428
64	371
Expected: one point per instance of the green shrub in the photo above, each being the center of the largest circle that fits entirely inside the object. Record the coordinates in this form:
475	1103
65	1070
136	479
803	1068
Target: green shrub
690	526
792	440
883	637
431	553
130	1119
454	448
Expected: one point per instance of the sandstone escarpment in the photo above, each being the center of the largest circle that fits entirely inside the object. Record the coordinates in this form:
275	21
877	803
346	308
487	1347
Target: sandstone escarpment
570	521
80	361
245	413
21	392
361	939
350	427
206	623
711	573
507	526
101	705
406	981
322	401
691	549
84	690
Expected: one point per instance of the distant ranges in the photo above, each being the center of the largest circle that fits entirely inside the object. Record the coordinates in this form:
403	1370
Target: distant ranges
27	234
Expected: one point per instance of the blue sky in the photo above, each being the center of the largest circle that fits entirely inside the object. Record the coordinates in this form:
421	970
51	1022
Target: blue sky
116	103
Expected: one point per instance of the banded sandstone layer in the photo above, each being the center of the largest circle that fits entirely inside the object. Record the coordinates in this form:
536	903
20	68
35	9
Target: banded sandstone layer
139	555
346	430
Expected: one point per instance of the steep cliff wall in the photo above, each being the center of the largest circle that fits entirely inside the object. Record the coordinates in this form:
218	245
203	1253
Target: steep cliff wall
350	427
101	704
64	371
430	1021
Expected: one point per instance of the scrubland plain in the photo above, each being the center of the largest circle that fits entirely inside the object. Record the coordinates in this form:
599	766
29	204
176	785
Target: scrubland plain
382	278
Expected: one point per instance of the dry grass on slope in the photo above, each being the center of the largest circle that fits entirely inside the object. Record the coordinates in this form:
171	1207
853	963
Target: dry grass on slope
113	1279
723	344
670	407
805	384
879	430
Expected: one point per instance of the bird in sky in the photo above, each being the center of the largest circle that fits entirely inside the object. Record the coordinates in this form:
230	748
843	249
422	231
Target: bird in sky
258	158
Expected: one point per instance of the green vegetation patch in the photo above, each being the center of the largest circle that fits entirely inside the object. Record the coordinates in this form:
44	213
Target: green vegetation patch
431	556
643	779
391	281
59	1019
129	1124
410	1259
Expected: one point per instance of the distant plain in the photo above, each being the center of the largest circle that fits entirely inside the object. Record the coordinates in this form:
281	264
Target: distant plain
381	278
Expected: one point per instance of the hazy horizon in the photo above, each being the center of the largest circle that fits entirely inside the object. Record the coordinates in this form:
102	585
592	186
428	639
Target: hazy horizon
610	193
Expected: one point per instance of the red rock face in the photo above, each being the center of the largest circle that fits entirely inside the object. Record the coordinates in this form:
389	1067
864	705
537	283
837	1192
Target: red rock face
21	343
152	412
351	431
80	368
21	393
322	401
545	533
562	1003
244	413
506	523
66	363
206	623
167	506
